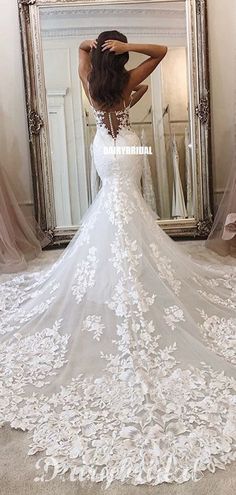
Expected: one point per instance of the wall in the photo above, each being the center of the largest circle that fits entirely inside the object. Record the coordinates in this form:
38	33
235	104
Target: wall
14	152
222	54
14	149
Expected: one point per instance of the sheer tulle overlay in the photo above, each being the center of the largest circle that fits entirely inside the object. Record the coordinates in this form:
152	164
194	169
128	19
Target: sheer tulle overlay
119	358
222	238
21	238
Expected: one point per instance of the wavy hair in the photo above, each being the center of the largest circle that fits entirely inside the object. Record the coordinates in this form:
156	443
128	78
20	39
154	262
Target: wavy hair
108	75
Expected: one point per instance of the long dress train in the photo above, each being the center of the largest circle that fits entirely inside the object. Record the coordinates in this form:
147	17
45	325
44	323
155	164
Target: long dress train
119	358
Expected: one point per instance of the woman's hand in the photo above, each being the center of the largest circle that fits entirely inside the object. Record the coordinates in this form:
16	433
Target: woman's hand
93	44
115	46
88	45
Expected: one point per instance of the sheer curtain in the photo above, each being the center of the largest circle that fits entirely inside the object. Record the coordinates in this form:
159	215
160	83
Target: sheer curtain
21	239
222	238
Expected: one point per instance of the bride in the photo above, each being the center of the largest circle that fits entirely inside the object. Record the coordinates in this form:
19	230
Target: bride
118	360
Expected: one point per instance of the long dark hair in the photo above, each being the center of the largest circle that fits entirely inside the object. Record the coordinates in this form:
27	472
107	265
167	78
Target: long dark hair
108	75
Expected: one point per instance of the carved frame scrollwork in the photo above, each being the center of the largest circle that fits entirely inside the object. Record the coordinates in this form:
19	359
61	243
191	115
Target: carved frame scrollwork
26	2
39	129
202	110
35	123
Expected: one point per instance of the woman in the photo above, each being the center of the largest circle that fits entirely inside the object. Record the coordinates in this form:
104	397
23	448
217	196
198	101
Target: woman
119	358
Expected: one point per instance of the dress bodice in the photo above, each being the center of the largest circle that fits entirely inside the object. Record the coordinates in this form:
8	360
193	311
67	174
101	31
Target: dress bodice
114	129
112	121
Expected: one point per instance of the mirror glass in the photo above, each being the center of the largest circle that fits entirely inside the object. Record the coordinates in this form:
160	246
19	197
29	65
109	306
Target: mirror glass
162	118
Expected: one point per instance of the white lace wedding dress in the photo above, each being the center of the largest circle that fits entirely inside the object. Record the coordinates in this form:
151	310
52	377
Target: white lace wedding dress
119	358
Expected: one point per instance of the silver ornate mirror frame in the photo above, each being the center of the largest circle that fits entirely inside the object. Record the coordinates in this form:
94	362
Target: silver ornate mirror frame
38	127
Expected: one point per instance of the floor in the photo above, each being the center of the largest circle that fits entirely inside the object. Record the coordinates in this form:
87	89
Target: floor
18	470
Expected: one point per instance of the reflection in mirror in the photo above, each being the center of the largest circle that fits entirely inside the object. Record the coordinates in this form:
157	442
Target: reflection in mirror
161	118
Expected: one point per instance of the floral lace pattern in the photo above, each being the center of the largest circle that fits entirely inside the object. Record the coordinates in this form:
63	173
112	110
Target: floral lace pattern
165	269
18	314
222	335
93	323
226	280
121	117
226	302
173	315
85	275
127	259
106	428
126	295
118	205
33	358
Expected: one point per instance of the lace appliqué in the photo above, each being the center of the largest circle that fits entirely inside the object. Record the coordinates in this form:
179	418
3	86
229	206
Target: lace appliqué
122	117
165	269
93	323
87	226
127	259
173	315
129	296
85	275
228	303
118	205
28	361
12	319
105	428
220	334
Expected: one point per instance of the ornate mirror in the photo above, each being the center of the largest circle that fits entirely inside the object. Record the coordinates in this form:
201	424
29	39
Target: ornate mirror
172	118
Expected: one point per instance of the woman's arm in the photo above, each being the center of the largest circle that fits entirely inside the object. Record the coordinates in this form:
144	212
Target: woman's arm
139	90
154	51
142	71
85	48
138	74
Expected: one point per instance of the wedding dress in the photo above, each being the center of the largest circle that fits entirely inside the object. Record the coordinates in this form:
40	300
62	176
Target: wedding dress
118	360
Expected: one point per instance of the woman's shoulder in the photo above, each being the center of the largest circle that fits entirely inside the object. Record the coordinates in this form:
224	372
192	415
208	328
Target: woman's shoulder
124	101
